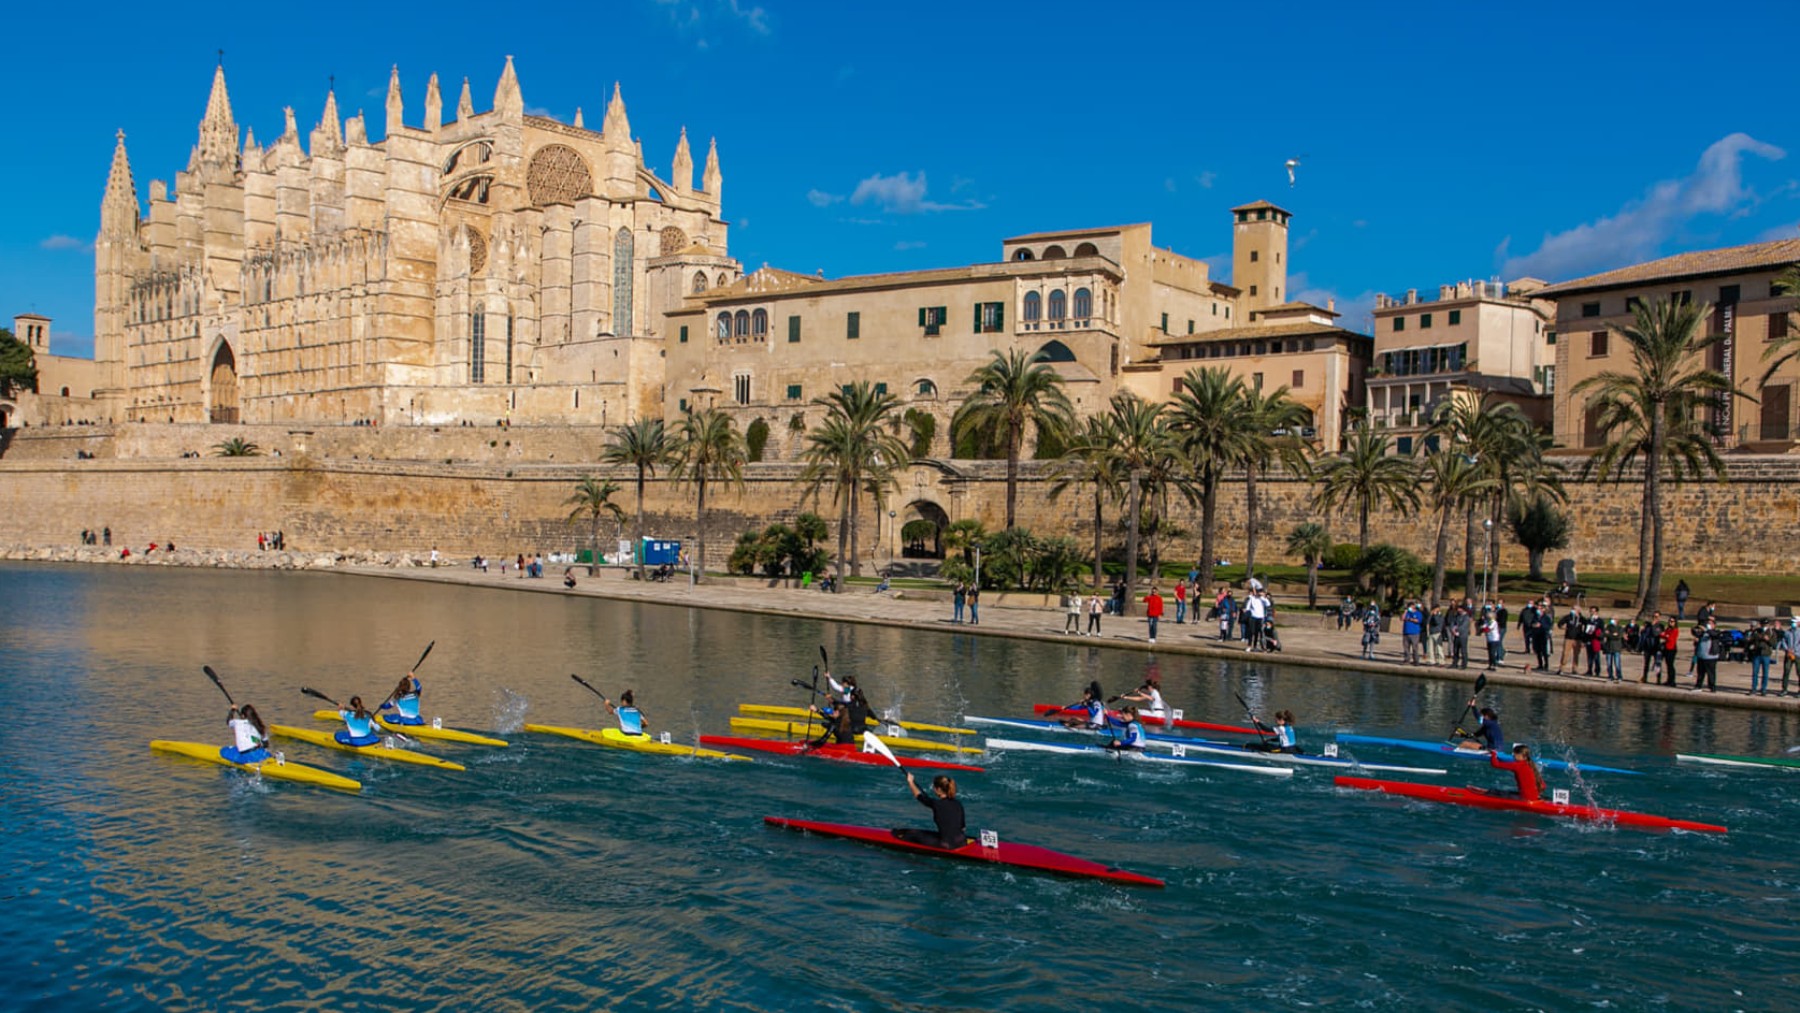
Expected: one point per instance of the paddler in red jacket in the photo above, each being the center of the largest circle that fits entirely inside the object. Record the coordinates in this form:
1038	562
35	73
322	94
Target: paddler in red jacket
1524	771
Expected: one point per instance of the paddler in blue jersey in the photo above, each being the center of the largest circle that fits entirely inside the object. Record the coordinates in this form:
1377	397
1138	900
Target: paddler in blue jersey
631	720
1131	736
360	728
837	723
1487	734
404	702
946	812
1285	741
250	736
1090	711
1524	771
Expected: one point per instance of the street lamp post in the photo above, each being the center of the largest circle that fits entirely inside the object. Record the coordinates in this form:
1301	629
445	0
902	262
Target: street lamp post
977	565
893	539
1487	555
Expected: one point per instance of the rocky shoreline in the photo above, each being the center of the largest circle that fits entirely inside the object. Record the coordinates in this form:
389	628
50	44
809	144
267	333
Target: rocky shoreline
220	559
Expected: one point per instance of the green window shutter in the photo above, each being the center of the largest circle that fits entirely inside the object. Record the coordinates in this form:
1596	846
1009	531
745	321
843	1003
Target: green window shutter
793	392
880	389
999	316
978	307
853	326
684	334
1455	317
793	328
922	312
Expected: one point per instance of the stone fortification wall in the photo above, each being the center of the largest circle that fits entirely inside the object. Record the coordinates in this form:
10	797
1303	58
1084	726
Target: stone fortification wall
502	501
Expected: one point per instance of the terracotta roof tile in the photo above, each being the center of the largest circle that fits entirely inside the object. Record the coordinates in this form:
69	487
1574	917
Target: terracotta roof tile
1779	253
1256	332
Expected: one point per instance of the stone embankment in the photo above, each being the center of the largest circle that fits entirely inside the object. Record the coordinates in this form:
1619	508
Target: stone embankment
222	559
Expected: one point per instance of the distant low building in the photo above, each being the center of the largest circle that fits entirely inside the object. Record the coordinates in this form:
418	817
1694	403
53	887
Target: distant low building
1748	311
1476	338
67	385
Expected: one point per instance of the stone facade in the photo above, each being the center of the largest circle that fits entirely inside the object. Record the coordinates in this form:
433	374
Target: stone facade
513	499
499	265
68	386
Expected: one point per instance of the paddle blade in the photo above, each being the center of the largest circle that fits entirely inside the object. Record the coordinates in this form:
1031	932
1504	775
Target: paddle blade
825	658
318	695
587	684
872	744
1480	682
422	657
214	676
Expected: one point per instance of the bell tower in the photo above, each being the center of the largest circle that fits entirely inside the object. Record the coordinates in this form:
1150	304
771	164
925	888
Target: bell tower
1259	246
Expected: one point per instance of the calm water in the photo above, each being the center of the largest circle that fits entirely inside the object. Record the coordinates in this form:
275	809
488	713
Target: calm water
558	875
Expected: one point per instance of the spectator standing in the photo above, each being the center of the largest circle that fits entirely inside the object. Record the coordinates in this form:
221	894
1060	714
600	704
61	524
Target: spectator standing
1412	625
1072	613
1095	606
1371	631
974	604
1671	645
1256	609
1590	635
106	535
1346	612
958	598
1459	636
1612	644
1153	610
1181	596
1502	617
1706	657
1570	626
1681	599
1790	652
1434	635
1760	646
1490	633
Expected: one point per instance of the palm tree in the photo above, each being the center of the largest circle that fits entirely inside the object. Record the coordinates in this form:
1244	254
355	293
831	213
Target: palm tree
1502	445
643	445
237	446
1784	350
1650	415
1207	419
1014	391
1452	482
1272	426
1363	476
593	497
1145	456
854	451
1090	460
707	446
1310	541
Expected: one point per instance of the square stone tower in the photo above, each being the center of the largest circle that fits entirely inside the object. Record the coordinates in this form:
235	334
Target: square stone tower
1259	245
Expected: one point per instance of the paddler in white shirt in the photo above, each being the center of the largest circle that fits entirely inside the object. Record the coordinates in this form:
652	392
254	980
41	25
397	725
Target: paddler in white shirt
404	701
1149	695
360	728
249	734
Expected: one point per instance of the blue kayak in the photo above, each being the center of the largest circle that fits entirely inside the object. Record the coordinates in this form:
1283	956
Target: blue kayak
1446	749
1060	728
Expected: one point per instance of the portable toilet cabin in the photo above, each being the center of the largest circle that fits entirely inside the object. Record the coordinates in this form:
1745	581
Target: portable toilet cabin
659	552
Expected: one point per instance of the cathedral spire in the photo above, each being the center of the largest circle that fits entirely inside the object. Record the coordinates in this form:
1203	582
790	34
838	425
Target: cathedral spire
218	133
681	169
434	105
465	106
617	128
508	101
711	181
396	107
119	205
578	124
328	136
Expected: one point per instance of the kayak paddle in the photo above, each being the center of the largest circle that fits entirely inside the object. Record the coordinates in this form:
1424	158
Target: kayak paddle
602	696
1268	740
1480	683
423	656
214	676
315	693
872	744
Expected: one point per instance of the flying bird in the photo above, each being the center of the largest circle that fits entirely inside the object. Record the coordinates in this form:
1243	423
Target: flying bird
1292	164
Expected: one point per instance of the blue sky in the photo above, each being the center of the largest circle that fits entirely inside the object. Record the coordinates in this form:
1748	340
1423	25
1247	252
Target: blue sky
1554	139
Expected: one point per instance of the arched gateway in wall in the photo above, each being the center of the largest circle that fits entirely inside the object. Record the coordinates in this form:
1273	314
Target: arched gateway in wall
222	390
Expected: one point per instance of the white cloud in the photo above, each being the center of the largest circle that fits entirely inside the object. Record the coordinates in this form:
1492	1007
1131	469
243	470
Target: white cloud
903	194
1355	312
61	242
1207	179
910	244
1169	183
821	199
1638	231
695	16
539	111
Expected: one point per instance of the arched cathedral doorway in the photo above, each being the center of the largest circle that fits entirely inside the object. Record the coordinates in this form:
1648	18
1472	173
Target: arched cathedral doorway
222	396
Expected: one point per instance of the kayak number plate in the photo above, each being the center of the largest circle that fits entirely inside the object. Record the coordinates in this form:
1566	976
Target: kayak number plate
990	839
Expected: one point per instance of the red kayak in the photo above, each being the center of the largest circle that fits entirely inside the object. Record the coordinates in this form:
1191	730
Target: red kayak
1489	800
846	754
1070	712
1023	856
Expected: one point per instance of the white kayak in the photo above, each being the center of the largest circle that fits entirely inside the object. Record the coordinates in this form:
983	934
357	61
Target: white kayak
1132	755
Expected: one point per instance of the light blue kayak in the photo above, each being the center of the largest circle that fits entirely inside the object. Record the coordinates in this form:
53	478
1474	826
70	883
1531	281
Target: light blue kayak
1208	747
1059	728
1446	749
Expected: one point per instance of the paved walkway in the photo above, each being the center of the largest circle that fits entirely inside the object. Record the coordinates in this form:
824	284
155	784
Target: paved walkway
1309	639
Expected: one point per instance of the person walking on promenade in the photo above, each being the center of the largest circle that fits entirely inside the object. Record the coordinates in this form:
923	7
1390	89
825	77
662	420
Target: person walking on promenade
1682	594
974	605
1706	657
1346	612
958	598
1181	596
1153	610
1095	606
1072	612
1612	644
1790	652
1760	646
1412	625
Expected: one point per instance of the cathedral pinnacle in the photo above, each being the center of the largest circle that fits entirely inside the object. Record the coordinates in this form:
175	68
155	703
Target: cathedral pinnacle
578	124
617	128
218	133
508	100
328	136
681	169
712	181
434	105
119	205
465	106
396	108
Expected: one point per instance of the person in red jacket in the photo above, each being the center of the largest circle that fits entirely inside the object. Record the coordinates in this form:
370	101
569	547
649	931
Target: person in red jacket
1153	610
1524	771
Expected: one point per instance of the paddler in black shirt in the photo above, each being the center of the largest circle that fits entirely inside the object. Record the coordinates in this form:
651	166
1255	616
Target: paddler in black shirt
837	724
946	812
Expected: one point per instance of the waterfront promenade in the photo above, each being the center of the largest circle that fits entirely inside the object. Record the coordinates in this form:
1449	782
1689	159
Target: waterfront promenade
1309	638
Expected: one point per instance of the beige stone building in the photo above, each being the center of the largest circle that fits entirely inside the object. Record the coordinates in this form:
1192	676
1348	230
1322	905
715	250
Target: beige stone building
67	385
1475	338
497	265
1748	311
1108	308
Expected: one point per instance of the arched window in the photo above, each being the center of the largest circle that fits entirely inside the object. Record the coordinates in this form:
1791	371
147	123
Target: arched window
1059	304
724	279
1087	250
1055	351
759	323
742	320
623	273
1054	253
1021	254
1034	306
925	389
699	282
1084	304
724	326
477	344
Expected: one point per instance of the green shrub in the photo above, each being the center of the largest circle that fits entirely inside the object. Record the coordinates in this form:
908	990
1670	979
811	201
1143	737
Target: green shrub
1342	556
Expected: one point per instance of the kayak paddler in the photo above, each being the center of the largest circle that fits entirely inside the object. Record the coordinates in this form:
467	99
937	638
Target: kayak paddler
946	812
1285	741
1524	771
631	720
844	691
360	728
1150	696
1132	736
837	724
250	736
404	701
1091	708
1487	734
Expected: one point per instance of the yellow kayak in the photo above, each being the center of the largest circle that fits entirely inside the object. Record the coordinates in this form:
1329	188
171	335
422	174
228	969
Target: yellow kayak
275	767
421	731
637	743
799	728
770	710
379	752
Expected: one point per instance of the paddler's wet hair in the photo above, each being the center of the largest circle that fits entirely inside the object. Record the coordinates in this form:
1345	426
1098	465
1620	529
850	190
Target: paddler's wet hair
1095	691
944	784
1488	712
249	714
626	699
356	707
405	686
